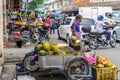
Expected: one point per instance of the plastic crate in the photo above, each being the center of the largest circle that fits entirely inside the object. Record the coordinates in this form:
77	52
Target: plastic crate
107	73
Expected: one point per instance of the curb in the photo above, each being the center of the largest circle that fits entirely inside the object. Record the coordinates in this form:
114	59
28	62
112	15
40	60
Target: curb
0	70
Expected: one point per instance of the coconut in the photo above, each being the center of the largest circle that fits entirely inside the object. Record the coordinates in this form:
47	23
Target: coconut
73	38
39	46
50	53
107	64
77	42
42	52
46	46
54	47
99	65
63	53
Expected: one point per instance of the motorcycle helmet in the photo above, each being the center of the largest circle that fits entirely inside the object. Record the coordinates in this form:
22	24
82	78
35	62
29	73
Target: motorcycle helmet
100	17
41	39
86	29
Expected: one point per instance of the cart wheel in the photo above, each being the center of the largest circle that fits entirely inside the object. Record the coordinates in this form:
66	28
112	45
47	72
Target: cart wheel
29	64
77	66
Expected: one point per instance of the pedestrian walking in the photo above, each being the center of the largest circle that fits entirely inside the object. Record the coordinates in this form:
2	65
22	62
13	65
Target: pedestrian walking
52	22
47	23
76	26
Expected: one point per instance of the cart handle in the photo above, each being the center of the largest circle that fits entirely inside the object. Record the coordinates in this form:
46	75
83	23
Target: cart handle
118	70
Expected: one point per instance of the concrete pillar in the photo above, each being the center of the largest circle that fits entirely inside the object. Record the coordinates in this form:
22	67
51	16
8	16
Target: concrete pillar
1	32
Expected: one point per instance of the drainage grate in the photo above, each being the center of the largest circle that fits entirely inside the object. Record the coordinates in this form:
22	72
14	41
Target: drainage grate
20	70
23	74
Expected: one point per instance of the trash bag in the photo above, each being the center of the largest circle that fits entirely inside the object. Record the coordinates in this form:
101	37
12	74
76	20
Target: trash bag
19	44
25	77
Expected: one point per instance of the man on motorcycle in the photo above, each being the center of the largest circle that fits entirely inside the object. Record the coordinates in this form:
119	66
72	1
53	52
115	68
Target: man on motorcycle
100	27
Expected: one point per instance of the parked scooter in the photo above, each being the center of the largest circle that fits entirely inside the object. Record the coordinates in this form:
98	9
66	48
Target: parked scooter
37	32
30	60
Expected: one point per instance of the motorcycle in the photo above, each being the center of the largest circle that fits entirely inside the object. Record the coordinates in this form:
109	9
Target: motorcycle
30	61
37	32
95	40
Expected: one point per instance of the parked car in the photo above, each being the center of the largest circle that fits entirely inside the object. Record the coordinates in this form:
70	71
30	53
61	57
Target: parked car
57	24
116	31
64	31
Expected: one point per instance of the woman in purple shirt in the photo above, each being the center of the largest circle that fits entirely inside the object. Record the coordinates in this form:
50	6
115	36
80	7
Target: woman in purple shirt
76	26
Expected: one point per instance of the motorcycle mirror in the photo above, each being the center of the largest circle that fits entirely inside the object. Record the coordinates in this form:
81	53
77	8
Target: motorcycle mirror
108	15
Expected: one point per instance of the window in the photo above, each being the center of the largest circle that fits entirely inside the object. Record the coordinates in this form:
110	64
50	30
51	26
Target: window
118	23
58	5
67	21
86	21
116	15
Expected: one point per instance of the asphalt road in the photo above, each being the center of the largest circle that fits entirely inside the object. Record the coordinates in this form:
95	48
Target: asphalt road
113	54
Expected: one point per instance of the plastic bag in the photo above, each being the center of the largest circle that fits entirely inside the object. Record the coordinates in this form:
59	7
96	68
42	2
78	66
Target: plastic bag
89	58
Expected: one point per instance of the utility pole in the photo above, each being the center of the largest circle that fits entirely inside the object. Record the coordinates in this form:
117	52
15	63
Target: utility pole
26	8
27	4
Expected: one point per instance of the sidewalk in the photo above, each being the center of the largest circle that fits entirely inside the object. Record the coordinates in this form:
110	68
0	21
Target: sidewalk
12	53
8	72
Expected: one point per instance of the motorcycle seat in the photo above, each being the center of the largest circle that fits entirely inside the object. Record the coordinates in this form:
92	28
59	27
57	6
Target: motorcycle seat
94	33
41	30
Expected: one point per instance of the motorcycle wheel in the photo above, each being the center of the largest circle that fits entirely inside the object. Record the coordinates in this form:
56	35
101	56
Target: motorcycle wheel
112	42
77	67
29	64
93	44
35	36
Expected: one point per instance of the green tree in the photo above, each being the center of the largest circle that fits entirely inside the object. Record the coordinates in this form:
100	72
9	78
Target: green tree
34	4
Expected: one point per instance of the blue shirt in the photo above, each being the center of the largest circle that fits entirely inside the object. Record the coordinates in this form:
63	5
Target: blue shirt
76	26
52	21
